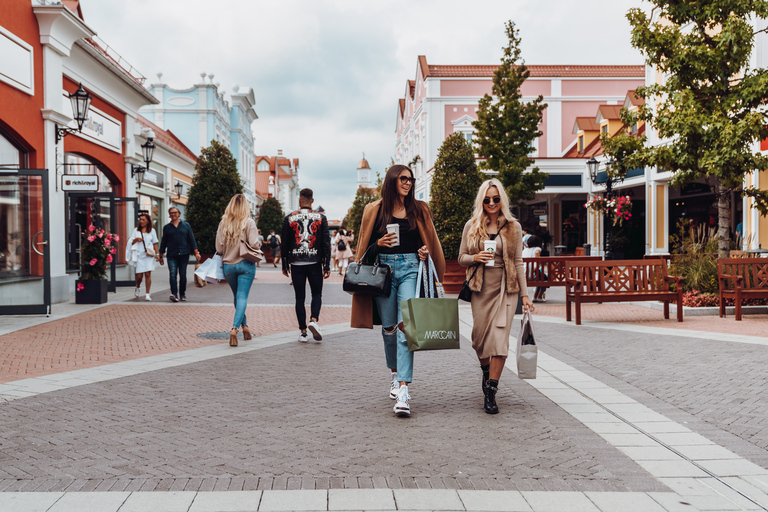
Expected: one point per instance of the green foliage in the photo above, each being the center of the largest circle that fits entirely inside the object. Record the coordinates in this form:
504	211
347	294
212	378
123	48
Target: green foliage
506	126
271	217
711	107
455	183
96	253
215	181
694	258
355	216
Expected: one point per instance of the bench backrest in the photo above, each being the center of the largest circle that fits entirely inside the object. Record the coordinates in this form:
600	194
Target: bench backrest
619	275
551	267
753	270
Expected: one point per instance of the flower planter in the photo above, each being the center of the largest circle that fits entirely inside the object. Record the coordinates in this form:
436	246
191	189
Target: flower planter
454	276
91	291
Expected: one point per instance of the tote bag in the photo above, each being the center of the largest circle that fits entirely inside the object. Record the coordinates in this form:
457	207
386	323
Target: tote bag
430	323
211	270
527	351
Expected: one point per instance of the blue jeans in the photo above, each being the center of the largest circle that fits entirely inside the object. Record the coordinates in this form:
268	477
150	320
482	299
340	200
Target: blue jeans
178	265
405	270
240	278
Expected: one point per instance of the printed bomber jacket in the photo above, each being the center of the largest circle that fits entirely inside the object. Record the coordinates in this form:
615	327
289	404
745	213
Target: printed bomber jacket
306	239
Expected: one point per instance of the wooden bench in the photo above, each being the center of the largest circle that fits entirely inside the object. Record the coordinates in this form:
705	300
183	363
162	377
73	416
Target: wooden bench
620	281
741	278
553	267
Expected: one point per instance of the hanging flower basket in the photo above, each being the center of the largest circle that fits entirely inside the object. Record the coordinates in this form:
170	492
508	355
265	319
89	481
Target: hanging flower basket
620	208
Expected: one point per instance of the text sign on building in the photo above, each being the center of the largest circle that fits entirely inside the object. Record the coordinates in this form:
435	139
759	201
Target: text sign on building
154	178
99	127
539	211
80	183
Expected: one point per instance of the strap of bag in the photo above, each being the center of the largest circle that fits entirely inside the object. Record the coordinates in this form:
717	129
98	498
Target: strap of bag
142	241
439	292
473	273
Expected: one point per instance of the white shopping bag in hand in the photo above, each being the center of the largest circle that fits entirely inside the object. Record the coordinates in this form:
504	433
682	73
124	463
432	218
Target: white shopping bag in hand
527	351
211	270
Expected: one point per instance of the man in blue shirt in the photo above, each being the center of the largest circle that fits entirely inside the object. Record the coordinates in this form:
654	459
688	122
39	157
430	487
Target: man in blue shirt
178	239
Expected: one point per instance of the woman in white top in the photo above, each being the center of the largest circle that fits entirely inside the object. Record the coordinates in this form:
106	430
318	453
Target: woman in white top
143	238
532	249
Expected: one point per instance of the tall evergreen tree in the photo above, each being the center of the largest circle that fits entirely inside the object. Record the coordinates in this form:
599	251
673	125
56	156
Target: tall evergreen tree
455	183
215	181
710	111
354	217
270	217
507	127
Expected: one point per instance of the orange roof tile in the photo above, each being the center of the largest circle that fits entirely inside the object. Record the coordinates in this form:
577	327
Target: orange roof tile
634	99
424	66
540	71
411	87
283	175
612	112
586	124
167	138
261	186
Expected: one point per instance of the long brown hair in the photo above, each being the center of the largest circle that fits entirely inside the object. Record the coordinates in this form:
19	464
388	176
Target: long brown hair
390	195
149	223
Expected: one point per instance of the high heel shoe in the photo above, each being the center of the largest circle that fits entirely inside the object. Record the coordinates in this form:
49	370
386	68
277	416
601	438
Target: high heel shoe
233	337
246	333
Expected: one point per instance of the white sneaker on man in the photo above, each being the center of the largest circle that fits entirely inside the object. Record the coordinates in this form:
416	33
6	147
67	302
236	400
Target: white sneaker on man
147	297
303	338
394	387
401	406
137	293
315	330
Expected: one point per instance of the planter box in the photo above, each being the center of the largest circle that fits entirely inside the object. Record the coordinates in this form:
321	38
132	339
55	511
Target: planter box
94	291
454	276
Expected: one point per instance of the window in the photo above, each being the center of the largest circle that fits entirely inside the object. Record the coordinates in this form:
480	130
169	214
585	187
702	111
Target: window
9	154
605	128
634	128
468	136
581	143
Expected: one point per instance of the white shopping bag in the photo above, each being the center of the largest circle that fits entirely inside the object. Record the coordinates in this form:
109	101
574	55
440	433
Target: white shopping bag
211	270
527	351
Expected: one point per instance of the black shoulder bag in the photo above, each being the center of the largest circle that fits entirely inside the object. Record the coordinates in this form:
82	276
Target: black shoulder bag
466	294
368	278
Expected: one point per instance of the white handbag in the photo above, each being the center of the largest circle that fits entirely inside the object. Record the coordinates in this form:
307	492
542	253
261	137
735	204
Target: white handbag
211	270
527	351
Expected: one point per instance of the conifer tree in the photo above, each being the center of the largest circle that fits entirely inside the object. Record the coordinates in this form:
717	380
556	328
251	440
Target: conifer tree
455	183
507	127
271	217
215	181
354	217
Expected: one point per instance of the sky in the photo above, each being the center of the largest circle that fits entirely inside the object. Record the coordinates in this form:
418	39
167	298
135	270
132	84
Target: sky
327	74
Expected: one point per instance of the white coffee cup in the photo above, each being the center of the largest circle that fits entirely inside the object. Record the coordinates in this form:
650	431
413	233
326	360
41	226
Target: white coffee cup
490	246
394	228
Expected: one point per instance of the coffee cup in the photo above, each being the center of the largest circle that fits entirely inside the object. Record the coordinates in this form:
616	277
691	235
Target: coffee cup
490	246
394	228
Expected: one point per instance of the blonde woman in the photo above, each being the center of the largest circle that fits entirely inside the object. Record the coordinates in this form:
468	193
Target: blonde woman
497	283
237	224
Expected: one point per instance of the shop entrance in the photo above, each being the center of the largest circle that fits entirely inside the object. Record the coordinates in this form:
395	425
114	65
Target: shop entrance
103	211
25	253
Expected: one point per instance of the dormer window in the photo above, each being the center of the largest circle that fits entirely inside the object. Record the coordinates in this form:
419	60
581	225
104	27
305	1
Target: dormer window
634	128
604	129
581	143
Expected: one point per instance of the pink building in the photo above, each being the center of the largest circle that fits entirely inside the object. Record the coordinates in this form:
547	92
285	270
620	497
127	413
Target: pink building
442	100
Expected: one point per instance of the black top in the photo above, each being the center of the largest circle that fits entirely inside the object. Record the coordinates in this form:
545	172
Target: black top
410	239
179	240
493	236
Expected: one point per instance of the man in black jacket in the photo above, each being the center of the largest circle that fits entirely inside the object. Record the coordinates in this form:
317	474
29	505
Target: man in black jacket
179	240
306	252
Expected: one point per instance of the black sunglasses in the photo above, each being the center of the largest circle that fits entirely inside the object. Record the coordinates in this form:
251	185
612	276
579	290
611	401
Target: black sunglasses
496	200
405	180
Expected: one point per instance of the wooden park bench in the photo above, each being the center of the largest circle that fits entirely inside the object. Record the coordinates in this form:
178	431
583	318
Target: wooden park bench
741	278
552	269
620	281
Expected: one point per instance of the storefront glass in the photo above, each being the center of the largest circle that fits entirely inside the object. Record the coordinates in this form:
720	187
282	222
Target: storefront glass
20	226
75	164
154	207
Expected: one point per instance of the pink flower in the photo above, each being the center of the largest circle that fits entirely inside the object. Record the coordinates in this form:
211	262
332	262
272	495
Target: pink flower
91	238
113	251
109	258
101	234
91	227
106	242
117	238
93	261
80	286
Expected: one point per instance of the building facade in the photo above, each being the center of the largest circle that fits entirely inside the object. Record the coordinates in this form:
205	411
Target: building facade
278	177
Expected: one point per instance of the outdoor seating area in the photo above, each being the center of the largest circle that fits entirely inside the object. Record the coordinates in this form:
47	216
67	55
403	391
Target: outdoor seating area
548	271
740	279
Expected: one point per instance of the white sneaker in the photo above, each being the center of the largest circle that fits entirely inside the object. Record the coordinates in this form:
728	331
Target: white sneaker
401	406
147	297
303	338
315	330
394	387
137	293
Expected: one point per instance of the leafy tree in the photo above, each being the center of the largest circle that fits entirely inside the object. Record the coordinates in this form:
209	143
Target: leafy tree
270	217
215	181
455	183
355	215
506	126
711	107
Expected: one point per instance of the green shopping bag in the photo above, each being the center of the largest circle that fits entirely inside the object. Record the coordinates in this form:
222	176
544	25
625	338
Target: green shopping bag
430	323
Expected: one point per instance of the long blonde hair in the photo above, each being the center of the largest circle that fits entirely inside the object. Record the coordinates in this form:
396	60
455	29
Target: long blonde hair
235	216
479	221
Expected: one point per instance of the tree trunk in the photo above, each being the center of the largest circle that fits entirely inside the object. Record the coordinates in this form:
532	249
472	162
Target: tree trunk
724	222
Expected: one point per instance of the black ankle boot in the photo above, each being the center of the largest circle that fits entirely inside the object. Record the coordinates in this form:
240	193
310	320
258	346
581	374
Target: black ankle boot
486	372
490	396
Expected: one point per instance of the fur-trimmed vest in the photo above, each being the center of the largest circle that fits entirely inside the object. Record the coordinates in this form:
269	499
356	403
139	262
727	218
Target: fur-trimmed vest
511	237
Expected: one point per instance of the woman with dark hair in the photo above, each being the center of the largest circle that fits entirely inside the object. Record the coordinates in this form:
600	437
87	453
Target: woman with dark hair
143	238
398	209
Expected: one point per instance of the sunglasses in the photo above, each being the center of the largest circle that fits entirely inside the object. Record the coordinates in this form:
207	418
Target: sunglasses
496	200
406	180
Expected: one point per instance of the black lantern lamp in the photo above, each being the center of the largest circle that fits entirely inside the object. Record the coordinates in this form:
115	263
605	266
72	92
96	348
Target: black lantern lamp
81	102
179	187
593	165
147	151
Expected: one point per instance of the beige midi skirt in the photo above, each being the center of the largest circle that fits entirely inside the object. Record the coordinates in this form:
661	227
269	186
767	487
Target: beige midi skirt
492	312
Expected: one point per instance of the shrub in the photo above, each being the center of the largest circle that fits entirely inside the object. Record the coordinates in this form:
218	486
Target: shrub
270	217
694	257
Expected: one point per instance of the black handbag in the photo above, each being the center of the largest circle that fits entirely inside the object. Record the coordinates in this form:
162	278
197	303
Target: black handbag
466	294
368	278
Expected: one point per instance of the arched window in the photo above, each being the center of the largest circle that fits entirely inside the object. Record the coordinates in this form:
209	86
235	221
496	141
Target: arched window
10	155
76	164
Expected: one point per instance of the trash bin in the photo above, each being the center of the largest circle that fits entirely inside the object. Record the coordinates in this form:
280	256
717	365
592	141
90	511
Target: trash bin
560	250
587	249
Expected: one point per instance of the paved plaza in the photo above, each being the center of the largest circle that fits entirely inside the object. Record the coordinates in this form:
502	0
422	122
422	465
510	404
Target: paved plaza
143	406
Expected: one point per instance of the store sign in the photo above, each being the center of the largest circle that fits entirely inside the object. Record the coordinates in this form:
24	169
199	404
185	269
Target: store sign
539	211
80	183
99	127
154	178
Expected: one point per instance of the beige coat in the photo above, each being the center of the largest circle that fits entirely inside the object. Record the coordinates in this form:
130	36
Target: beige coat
362	305
230	252
513	258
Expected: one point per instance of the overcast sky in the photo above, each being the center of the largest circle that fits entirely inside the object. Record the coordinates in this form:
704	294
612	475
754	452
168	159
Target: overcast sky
327	74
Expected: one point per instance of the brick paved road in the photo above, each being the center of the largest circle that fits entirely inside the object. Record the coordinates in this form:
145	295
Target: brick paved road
303	416
716	387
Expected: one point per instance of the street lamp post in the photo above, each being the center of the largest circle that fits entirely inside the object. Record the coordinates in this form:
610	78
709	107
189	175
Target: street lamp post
81	102
179	187
593	165
147	151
